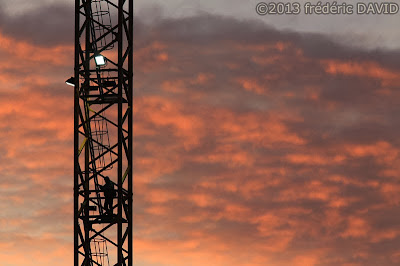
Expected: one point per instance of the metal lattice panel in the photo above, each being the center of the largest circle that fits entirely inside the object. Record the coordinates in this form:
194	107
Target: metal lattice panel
103	132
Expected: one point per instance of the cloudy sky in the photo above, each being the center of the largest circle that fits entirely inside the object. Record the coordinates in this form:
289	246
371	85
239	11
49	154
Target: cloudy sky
257	140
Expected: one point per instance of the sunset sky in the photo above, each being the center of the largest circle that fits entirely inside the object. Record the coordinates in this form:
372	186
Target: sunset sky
258	141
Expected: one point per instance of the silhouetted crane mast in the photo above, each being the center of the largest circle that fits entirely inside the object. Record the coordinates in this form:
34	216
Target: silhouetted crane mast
103	82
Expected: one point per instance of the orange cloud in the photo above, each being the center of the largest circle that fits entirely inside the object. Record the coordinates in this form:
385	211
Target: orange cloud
362	69
28	53
356	227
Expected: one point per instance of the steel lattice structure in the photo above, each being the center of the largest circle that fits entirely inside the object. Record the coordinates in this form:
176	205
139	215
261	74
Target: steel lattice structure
103	132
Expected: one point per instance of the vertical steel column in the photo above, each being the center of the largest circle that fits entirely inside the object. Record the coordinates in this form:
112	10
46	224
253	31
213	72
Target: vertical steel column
130	125
120	137
76	135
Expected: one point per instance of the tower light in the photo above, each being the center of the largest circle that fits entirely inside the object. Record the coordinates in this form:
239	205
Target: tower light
70	81
100	60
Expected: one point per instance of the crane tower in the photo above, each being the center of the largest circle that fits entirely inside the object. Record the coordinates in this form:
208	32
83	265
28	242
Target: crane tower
103	91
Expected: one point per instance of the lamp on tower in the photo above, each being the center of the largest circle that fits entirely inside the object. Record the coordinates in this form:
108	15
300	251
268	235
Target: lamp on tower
70	81
100	60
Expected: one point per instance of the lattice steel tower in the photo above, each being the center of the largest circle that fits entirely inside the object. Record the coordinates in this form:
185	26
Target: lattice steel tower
103	83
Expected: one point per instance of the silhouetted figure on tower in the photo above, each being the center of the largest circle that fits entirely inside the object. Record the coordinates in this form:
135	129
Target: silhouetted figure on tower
109	194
